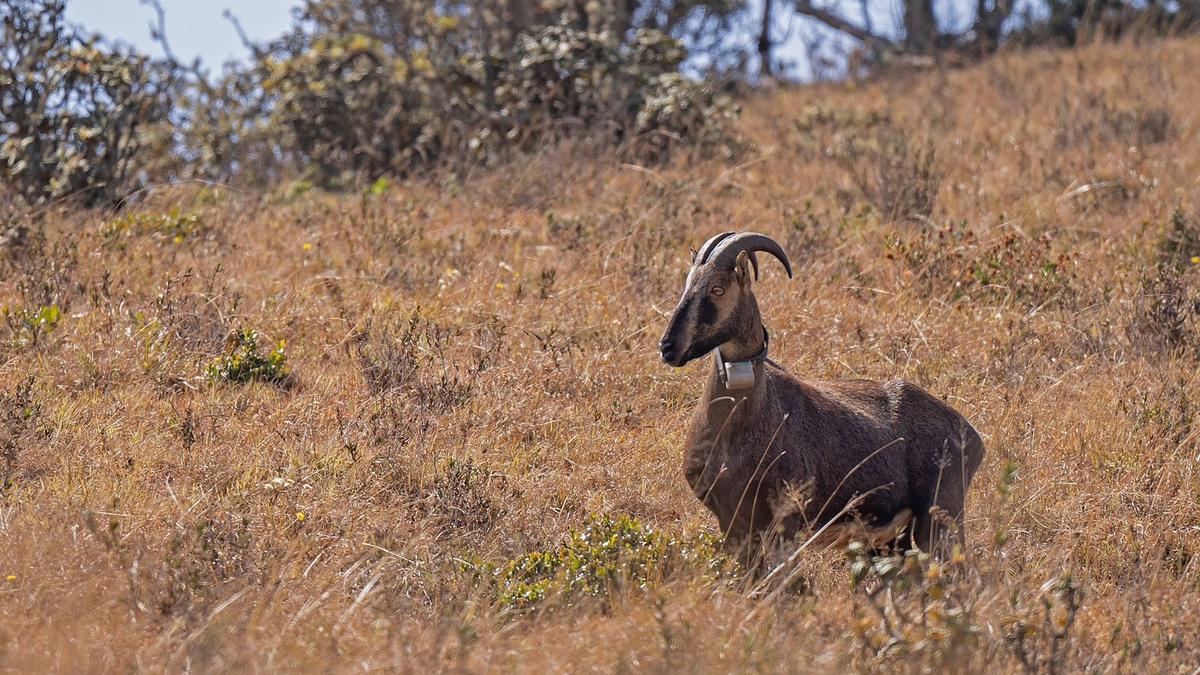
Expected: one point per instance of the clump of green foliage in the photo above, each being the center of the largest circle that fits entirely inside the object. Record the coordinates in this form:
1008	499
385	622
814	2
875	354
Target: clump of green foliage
27	326
608	554
243	362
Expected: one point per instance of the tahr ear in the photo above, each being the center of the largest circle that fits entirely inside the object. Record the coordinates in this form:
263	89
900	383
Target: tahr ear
742	267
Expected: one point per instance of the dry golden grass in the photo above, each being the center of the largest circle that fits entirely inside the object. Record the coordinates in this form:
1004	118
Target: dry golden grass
474	373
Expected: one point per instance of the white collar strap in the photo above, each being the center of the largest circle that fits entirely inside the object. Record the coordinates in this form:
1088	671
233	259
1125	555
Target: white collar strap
740	374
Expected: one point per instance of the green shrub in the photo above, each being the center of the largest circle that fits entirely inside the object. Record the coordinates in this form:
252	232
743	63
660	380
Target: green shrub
242	361
607	555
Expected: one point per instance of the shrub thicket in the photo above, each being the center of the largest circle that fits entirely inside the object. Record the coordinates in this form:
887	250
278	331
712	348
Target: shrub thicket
350	104
336	99
78	118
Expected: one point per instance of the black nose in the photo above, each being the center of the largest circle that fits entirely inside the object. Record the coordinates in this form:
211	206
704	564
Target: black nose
667	347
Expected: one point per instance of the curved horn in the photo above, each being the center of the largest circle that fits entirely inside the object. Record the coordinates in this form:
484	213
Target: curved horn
728	248
706	250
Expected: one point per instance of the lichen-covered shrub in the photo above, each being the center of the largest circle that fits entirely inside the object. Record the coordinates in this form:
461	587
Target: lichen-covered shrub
78	118
346	104
561	76
357	89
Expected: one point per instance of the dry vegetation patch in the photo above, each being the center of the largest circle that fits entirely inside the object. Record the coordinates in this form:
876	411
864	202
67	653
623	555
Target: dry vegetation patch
425	426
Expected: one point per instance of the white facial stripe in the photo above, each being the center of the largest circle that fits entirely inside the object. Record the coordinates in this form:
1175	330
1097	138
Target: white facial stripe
687	331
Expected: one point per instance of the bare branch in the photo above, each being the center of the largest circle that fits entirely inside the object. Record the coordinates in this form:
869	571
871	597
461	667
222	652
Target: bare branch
241	32
158	28
841	25
158	33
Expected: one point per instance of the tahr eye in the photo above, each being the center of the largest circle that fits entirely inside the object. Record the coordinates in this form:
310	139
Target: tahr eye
718	291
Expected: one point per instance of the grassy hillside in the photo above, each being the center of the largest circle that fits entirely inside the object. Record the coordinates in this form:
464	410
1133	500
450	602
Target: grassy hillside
451	375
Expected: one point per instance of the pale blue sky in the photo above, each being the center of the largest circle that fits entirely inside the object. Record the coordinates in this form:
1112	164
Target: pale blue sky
194	27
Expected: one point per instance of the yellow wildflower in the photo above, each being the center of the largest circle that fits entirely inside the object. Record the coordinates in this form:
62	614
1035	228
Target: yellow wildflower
307	246
12	578
300	516
934	572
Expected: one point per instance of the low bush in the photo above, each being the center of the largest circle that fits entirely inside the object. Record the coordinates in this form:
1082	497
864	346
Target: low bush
243	362
607	555
1092	118
459	499
410	356
1167	316
19	413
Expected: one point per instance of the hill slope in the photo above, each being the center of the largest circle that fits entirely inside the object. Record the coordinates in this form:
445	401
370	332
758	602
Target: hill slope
470	374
